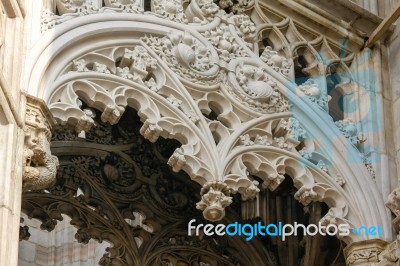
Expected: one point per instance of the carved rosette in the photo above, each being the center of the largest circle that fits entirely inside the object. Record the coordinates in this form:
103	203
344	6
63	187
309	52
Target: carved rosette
215	197
186	56
40	166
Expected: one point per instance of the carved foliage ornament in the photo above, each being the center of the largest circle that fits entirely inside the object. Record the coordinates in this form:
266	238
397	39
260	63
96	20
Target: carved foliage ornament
198	11
186	56
258	90
202	10
69	9
170	9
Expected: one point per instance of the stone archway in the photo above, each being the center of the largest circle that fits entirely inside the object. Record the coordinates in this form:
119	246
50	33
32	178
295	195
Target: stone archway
116	187
238	116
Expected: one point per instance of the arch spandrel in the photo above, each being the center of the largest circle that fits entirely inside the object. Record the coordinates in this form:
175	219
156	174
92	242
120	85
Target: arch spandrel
187	67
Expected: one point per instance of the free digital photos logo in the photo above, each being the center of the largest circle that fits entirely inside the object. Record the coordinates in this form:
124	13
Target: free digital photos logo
279	230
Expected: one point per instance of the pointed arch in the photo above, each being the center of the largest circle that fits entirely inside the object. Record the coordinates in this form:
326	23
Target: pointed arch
168	99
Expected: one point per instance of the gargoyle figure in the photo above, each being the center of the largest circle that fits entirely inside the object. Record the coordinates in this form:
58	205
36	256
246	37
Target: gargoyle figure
40	167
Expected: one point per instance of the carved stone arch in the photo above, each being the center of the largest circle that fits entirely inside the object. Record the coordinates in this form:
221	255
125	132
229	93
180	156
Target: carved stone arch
199	156
160	117
254	150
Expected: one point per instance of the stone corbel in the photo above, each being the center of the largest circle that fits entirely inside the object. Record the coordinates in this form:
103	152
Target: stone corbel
40	166
393	203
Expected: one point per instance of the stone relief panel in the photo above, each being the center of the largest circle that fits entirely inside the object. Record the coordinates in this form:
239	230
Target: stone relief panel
69	9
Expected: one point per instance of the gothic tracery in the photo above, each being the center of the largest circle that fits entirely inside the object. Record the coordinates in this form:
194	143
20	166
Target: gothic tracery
238	90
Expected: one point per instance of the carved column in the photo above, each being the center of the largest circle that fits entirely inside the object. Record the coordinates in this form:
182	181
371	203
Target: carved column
40	166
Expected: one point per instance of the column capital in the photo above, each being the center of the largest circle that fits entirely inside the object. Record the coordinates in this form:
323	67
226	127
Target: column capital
364	252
